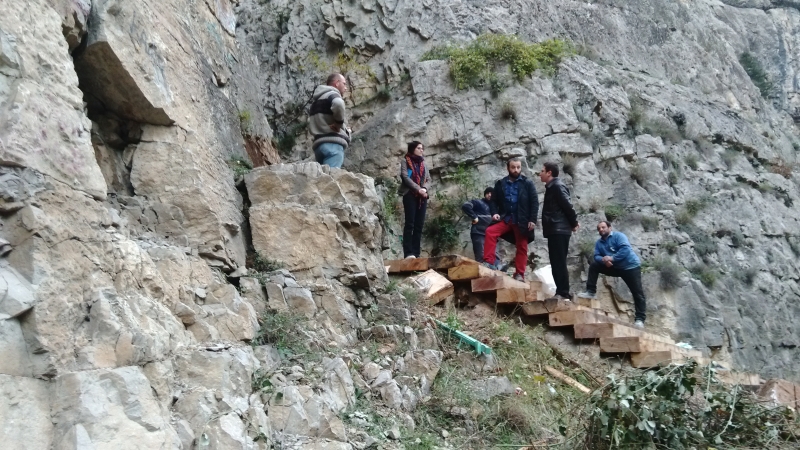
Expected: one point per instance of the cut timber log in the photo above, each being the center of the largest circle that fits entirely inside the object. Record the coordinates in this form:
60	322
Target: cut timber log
588	302
433	285
675	356
407	265
565	318
515	296
544	307
469	272
741	378
449	261
485	284
614	330
570	381
781	392
632	344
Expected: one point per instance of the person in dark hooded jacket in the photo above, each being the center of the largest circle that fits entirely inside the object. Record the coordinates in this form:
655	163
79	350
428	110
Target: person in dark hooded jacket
480	211
559	221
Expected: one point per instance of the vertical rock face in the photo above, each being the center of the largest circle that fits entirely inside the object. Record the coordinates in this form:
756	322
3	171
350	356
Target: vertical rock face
119	220
658	113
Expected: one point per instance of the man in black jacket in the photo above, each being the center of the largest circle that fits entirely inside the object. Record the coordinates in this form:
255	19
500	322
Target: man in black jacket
515	205
559	220
479	210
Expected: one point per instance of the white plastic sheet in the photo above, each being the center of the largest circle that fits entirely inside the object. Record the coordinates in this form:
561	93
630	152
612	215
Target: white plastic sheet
545	275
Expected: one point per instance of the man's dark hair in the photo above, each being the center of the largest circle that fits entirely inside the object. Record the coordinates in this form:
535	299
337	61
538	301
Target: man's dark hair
608	224
552	168
508	163
412	145
332	78
488	191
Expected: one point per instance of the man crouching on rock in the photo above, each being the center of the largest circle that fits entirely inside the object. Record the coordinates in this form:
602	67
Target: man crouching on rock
326	121
515	206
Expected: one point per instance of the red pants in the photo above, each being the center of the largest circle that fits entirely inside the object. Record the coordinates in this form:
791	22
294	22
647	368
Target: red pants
494	231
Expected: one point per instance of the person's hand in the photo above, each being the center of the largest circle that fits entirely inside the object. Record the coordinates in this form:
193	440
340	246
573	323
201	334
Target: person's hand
607	259
335	127
609	263
475	220
575	228
423	193
531	225
496	217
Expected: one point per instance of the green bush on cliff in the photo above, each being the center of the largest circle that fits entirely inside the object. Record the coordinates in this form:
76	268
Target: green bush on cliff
474	65
756	73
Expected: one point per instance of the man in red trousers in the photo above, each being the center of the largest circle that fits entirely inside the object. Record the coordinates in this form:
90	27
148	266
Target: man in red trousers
514	208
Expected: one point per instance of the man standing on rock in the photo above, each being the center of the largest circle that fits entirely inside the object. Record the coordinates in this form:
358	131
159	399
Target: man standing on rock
479	210
326	120
614	257
514	207
559	220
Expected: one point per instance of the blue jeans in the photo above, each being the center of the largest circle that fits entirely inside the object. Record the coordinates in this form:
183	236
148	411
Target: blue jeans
330	154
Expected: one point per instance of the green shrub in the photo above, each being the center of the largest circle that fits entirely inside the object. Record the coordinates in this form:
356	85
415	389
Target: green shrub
691	161
705	274
384	93
694	206
672	177
391	208
264	264
280	329
508	111
245	121
442	231
669	273
649	223
671	247
239	166
613	212
756	73
476	64
411	295
639	174
586	248
680	407
444	227
746	276
568	164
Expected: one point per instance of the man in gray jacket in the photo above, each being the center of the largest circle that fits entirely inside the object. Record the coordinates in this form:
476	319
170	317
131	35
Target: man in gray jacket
326	121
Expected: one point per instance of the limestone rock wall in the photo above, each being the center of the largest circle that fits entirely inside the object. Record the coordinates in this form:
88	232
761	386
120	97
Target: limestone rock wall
654	113
121	223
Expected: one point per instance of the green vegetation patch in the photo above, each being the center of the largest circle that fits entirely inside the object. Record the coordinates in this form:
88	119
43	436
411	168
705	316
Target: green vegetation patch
756	73
476	65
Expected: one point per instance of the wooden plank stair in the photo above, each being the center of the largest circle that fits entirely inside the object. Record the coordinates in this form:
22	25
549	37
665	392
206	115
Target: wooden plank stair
614	335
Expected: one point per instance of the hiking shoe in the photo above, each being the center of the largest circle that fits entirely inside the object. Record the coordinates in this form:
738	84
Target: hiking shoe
587	294
638	324
491	266
503	267
519	277
559	297
410	257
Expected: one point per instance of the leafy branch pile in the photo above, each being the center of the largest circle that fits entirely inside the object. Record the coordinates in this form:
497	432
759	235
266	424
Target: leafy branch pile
678	408
476	64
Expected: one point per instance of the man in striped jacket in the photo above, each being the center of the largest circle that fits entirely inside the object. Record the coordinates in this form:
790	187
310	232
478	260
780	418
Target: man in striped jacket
326	121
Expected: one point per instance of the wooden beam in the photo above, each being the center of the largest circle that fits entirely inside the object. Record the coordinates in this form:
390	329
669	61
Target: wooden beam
543	307
469	272
407	265
677	355
433	285
632	344
514	295
614	330
485	284
566	318
449	261
570	381
588	302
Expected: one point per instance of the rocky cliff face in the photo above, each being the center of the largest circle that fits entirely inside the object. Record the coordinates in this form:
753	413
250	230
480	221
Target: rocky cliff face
654	116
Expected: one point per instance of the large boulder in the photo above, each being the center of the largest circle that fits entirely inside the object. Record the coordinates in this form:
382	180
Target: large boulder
312	217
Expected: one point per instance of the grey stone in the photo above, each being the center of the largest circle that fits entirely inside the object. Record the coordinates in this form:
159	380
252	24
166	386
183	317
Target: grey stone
491	387
300	300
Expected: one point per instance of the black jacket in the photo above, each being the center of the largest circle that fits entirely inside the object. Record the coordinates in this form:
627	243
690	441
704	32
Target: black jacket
558	215
527	204
481	210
